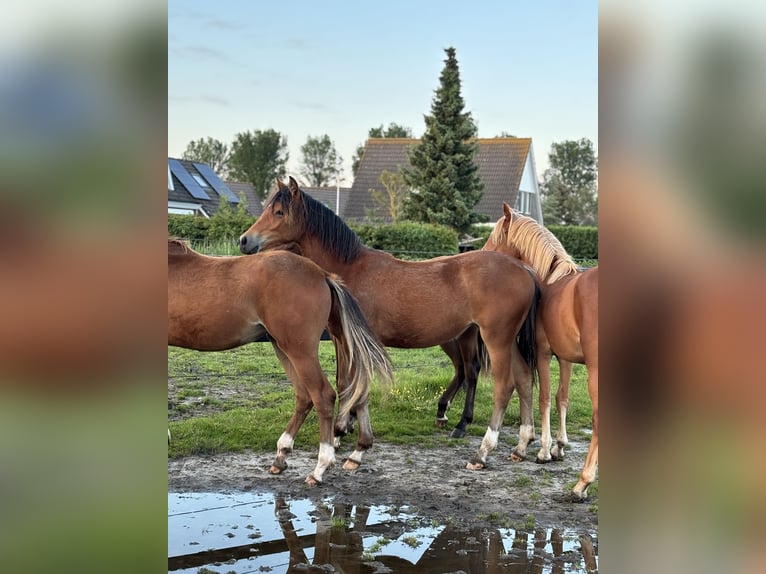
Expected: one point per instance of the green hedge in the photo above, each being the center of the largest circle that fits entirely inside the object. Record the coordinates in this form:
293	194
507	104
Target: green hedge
190	227
408	240
579	241
226	225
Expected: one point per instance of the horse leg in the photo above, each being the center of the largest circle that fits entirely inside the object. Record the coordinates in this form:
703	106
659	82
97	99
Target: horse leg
305	372
302	408
452	350
562	406
521	376
364	440
285	443
323	396
469	354
544	375
504	385
343	424
588	475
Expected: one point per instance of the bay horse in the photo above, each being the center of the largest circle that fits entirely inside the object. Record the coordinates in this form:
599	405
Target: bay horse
417	304
218	303
567	326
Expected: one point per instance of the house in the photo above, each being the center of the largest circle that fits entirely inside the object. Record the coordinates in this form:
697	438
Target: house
506	167
195	189
325	195
330	196
247	190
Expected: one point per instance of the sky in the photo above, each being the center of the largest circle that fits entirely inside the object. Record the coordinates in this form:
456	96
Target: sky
308	68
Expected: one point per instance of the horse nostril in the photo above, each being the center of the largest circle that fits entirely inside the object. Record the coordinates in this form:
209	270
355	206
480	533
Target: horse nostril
243	241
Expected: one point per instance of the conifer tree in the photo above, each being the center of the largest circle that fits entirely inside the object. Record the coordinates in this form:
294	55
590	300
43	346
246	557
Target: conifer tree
444	178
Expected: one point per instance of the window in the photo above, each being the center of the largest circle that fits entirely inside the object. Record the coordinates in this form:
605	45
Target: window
200	180
524	202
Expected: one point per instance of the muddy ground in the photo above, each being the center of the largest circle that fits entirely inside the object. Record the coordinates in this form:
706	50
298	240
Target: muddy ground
433	482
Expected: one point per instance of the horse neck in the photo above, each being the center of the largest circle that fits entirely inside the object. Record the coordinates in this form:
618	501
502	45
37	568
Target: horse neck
311	248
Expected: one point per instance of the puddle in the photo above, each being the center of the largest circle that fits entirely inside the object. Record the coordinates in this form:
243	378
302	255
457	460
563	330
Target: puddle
263	532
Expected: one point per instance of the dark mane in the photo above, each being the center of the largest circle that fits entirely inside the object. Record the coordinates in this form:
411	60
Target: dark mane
320	222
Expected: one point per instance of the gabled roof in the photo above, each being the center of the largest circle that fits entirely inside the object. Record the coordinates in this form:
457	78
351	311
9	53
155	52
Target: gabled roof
179	192
500	161
254	203
328	196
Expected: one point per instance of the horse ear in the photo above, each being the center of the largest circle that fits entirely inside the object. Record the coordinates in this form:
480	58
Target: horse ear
294	186
507	210
280	183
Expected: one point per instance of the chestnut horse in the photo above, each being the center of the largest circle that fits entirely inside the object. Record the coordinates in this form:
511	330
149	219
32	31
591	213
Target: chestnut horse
567	326
416	304
218	303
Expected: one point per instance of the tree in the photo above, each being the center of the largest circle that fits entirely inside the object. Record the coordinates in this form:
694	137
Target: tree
211	151
229	221
392	131
396	191
444	178
569	188
259	157
321	162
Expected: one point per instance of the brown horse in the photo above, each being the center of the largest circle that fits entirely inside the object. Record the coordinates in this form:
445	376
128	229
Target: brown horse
415	304
218	303
567	326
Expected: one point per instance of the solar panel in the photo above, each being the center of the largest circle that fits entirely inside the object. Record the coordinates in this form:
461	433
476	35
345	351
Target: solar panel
185	178
215	182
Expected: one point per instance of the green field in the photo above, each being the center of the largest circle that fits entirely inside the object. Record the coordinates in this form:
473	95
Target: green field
240	399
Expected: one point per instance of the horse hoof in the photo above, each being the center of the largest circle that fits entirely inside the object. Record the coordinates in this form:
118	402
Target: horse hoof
457	433
539	460
475	466
275	470
311	481
515	457
350	465
579	496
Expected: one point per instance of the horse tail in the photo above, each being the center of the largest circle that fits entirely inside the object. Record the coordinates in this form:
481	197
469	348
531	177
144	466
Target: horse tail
527	334
364	354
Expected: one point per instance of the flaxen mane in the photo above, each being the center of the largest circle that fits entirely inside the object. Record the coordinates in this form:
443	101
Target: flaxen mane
320	222
538	247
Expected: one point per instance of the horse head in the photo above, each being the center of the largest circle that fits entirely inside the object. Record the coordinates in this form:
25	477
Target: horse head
281	222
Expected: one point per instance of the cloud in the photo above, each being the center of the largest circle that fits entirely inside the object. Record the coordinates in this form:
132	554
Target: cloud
198	50
219	24
313	106
204	98
217	100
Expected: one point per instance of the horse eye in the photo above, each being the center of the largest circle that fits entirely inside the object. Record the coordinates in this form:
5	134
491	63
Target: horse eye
279	213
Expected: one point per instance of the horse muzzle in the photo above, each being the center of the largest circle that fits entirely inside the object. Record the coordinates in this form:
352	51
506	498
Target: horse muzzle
249	245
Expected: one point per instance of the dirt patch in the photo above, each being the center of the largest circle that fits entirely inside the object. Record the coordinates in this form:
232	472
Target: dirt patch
432	481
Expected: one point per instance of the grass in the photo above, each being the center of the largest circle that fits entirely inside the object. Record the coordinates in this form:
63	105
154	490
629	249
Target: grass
240	399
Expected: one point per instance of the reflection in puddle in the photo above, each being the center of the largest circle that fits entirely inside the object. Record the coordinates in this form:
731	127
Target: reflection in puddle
261	532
